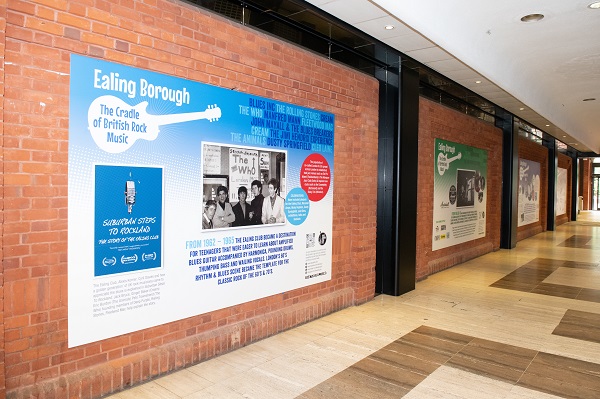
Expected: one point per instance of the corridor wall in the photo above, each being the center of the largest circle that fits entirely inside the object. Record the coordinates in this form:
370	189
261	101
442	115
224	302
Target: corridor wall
531	151
439	122
177	39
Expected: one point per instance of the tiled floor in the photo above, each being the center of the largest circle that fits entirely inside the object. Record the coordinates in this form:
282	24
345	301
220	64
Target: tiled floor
515	324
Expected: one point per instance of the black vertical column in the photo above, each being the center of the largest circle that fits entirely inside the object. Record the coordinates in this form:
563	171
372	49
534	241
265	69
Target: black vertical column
406	255
550	143
397	181
510	178
385	270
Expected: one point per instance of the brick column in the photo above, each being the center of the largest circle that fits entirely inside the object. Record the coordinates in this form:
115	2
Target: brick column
2	47
585	184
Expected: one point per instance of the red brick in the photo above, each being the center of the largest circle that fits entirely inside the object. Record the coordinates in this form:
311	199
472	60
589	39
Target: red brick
73	21
54	4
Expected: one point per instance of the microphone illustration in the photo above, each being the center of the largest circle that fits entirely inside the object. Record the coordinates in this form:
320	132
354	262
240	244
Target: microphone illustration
129	194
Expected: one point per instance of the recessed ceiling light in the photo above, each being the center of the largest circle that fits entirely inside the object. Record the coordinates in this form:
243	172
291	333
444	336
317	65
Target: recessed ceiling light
564	137
595	5
478	81
389	27
547	125
521	109
589	99
532	18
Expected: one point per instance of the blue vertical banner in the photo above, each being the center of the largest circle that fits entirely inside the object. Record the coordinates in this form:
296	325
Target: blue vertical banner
128	219
185	198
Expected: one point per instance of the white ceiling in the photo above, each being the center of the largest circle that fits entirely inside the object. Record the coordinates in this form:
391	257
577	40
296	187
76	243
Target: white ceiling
540	71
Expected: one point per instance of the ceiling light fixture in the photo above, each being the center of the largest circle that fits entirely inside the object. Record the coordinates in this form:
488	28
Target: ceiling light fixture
595	5
389	27
532	18
589	99
521	109
547	125
478	81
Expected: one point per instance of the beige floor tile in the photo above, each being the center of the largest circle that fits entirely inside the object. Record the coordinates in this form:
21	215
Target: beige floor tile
362	341
450	383
346	317
272	348
319	328
327	357
149	390
583	278
214	370
216	391
306	370
257	385
573	348
243	359
183	382
385	327
523	393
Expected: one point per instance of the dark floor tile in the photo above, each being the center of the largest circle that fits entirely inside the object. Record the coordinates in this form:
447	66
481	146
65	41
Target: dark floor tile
561	376
561	388
443	334
525	278
590	295
546	264
570	364
351	383
395	375
580	265
493	359
497	352
515	286
416	359
563	291
579	325
486	369
442	346
588	319
576	241
533	272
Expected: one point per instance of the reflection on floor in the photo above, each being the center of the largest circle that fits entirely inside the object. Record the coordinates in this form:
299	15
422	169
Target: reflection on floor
520	323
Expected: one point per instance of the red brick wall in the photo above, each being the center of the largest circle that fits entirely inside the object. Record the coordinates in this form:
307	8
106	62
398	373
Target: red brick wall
438	121
566	162
2	50
537	153
175	38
